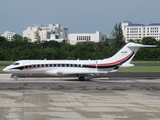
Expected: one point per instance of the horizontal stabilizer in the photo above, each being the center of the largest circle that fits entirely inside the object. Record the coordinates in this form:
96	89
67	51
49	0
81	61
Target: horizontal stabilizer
139	45
126	65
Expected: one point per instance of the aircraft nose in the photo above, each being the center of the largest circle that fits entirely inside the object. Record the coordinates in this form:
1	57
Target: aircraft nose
6	70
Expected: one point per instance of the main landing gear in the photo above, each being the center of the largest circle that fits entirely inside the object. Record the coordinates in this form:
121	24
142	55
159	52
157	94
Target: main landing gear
15	77
81	78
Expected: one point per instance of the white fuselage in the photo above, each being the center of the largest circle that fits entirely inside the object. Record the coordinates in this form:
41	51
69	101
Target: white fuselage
61	67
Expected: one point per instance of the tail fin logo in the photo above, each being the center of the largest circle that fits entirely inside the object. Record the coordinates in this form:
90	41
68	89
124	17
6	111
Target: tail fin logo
124	51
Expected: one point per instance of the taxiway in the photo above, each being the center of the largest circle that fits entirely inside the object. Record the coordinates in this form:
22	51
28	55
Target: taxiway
69	99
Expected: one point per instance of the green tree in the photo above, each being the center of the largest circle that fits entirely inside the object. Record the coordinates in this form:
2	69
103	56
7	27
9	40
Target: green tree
149	41
135	41
2	39
25	39
118	38
148	53
17	38
50	44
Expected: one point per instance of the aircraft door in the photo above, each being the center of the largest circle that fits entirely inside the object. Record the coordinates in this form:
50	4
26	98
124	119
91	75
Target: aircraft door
26	67
96	64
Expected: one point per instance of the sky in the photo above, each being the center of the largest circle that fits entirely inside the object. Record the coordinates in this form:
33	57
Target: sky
80	16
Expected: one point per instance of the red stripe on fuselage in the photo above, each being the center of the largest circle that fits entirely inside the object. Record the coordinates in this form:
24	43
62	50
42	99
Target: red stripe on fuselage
34	68
113	63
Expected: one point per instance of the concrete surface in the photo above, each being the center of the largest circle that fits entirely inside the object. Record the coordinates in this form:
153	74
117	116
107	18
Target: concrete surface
114	74
69	99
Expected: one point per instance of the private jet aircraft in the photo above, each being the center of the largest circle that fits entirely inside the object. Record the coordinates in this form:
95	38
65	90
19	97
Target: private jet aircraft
79	68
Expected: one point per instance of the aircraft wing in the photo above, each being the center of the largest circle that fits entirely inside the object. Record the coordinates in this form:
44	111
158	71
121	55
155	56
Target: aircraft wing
69	72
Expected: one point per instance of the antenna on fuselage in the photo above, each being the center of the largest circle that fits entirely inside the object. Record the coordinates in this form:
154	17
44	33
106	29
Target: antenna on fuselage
45	59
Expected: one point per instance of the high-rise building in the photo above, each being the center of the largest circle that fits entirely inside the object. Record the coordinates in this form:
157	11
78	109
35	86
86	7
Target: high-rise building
40	33
138	31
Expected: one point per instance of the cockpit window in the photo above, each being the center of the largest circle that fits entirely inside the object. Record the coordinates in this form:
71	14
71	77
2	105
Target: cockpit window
16	63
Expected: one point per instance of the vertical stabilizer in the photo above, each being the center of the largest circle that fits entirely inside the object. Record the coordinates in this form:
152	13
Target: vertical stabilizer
126	54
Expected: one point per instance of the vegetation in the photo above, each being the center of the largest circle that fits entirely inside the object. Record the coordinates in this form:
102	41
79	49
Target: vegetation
1	68
141	69
152	62
117	34
21	48
15	50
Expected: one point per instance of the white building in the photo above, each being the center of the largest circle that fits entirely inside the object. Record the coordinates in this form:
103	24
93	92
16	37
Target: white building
138	31
40	33
8	35
74	38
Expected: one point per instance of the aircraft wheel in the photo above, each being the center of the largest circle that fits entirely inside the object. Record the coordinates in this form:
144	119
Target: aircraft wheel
15	78
81	78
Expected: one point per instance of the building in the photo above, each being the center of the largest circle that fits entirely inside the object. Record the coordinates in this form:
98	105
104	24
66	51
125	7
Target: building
40	33
138	31
32	33
8	35
74	38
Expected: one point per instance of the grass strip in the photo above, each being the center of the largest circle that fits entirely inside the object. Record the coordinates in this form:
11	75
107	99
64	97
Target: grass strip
1	68
145	62
141	69
6	62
